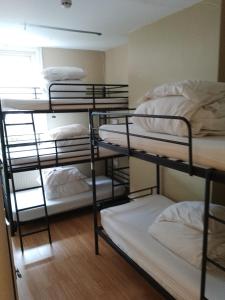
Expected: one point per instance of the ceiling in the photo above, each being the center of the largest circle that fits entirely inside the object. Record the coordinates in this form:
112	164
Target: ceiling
113	18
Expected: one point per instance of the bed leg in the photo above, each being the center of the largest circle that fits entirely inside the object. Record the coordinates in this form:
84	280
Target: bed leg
96	243
95	208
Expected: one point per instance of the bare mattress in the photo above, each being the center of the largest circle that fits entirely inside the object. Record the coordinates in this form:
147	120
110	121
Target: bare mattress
61	104
34	197
127	226
208	151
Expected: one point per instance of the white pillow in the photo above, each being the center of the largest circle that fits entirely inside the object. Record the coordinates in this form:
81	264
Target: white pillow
61	175
72	145
66	189
186	242
167	106
63	73
191	213
68	131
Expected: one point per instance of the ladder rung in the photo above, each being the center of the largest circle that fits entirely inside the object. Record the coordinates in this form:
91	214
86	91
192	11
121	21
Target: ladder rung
34	232
216	264
119	184
30	207
217	219
16	124
27	189
22	145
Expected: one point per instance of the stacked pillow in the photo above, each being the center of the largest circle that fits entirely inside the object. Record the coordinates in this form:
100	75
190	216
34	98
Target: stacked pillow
68	131
70	137
180	229
63	73
63	182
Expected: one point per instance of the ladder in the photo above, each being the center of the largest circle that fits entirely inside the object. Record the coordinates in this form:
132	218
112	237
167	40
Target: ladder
12	170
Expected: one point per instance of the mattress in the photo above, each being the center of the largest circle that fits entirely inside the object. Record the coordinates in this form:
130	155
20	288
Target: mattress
34	197
62	104
208	151
127	226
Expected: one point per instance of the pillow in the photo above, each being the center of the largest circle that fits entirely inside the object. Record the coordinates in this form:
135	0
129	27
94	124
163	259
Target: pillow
61	175
186	242
191	213
63	73
73	145
66	189
167	106
68	131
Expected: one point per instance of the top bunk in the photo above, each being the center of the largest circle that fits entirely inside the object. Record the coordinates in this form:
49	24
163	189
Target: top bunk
64	96
167	131
64	90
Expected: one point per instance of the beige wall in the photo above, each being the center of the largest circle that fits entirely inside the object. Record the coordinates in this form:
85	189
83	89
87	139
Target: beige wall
184	45
116	65
93	62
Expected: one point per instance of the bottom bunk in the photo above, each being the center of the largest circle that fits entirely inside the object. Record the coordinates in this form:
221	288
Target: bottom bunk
127	227
31	197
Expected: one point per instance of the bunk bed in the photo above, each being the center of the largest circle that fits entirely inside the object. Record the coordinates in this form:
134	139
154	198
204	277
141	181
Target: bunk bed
33	150
128	228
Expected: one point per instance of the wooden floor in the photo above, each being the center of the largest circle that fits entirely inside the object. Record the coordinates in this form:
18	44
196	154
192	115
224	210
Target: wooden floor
70	269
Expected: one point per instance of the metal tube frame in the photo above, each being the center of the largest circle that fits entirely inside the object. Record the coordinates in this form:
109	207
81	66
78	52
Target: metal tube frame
189	168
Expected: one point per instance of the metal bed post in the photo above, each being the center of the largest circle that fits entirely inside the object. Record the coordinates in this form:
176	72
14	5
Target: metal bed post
104	91
128	135
5	174
112	170
158	178
95	210
50	96
205	234
35	93
93	95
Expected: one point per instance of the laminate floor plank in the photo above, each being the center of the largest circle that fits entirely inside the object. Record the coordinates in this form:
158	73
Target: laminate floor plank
69	269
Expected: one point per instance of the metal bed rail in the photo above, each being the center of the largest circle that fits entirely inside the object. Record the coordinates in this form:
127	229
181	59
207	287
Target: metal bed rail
21	92
23	155
94	96
135	151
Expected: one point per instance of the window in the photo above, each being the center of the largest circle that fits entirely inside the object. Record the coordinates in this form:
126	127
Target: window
20	68
19	74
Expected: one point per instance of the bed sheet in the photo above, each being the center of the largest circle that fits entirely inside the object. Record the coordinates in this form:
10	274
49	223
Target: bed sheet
127	226
61	104
34	197
208	151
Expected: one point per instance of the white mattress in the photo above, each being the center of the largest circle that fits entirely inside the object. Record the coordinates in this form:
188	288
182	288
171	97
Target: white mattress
208	151
48	157
127	226
34	197
43	104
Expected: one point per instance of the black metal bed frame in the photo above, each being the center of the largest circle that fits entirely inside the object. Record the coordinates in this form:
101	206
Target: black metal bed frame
92	92
188	167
